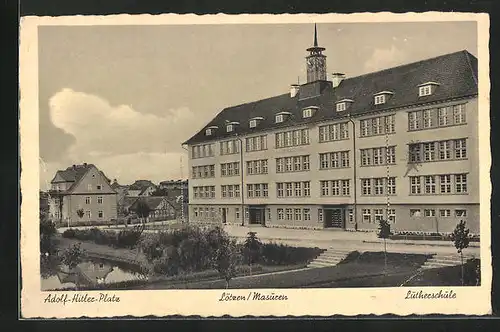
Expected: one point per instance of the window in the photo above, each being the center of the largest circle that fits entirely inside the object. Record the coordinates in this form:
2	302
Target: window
391	186
413	121
461	183
415	188
391	215
289	214
307	188
429	212
99	200
281	214
88	214
379	186
377	156
445	184
195	210
333	132
229	147
87	200
430	184
444	150
320	215
250	190
445	213
376	126
424	90
280	165
293	189
268	214
289	189
89	187
429	151
230	128
208	132
390	124
345	187
257	143
415	213
292	138
279	118
379	215
99	187
325	188
380	99
367	215
298	214
307	113
335	187
279	188
253	123
307	214
292	164
100	214
427	117
334	159
460	148
366	186
459	114
391	155
341	107
257	167
460	213
443	116
350	216
366	157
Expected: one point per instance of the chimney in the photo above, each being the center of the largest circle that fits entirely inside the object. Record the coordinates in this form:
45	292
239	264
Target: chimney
294	89
337	78
74	166
84	164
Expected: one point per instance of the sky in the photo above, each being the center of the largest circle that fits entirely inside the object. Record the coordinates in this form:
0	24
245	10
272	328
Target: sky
125	97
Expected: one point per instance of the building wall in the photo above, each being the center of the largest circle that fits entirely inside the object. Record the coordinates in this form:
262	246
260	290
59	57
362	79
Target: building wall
401	201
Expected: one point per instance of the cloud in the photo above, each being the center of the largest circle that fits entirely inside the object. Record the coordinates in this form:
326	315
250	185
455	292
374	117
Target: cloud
123	142
383	58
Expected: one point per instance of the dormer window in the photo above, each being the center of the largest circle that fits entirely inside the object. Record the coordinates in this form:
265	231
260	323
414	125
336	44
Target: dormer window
230	126
343	104
426	89
255	121
309	112
280	117
210	130
382	97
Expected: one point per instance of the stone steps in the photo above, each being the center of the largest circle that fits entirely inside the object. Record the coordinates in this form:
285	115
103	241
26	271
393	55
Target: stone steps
445	260
330	257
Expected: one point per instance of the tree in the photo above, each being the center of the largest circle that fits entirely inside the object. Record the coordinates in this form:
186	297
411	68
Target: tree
226	258
460	237
71	257
384	233
80	213
142	209
251	249
48	250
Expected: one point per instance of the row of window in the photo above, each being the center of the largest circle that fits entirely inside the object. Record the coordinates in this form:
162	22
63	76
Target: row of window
417	120
293	189
257	190
292	138
337	159
378	186
204	192
438	150
369	216
437	117
205	171
88	214
88	200
257	167
294	214
378	126
230	169
419	185
378	156
438	184
443	213
335	187
292	164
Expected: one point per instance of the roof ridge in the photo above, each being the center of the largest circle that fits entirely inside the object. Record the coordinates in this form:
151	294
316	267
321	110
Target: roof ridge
407	64
468	55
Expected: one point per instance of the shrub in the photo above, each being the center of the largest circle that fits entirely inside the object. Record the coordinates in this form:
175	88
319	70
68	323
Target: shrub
69	233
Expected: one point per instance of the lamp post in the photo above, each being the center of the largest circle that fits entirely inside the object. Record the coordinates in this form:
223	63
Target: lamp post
242	190
354	172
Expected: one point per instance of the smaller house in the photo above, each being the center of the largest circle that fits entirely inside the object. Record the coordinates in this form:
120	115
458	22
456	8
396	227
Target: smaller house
141	188
161	208
174	185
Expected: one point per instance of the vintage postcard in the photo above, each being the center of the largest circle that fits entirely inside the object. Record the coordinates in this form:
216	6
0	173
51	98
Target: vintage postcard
255	165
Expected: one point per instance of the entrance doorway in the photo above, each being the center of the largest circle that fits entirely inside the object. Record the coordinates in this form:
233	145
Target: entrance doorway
334	217
257	215
223	215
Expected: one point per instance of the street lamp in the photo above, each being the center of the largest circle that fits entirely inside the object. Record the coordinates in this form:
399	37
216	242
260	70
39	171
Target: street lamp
354	171
242	190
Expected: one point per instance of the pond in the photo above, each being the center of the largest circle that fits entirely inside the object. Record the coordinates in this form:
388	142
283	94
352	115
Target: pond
90	272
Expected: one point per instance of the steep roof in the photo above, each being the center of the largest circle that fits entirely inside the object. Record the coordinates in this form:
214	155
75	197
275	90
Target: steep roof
152	201
456	74
74	174
141	185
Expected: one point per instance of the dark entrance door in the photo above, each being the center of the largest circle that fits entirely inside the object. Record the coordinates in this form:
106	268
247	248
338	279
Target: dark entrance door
257	216
334	218
223	215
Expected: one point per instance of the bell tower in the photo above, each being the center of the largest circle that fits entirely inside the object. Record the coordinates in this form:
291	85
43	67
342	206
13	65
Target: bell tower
316	61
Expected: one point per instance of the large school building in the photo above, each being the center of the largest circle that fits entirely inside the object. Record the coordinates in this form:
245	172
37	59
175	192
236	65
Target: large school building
398	144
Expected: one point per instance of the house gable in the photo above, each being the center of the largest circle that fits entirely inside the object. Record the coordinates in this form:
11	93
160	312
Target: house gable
90	182
58	178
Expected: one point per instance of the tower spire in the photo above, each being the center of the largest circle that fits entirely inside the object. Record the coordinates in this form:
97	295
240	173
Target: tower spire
315	36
